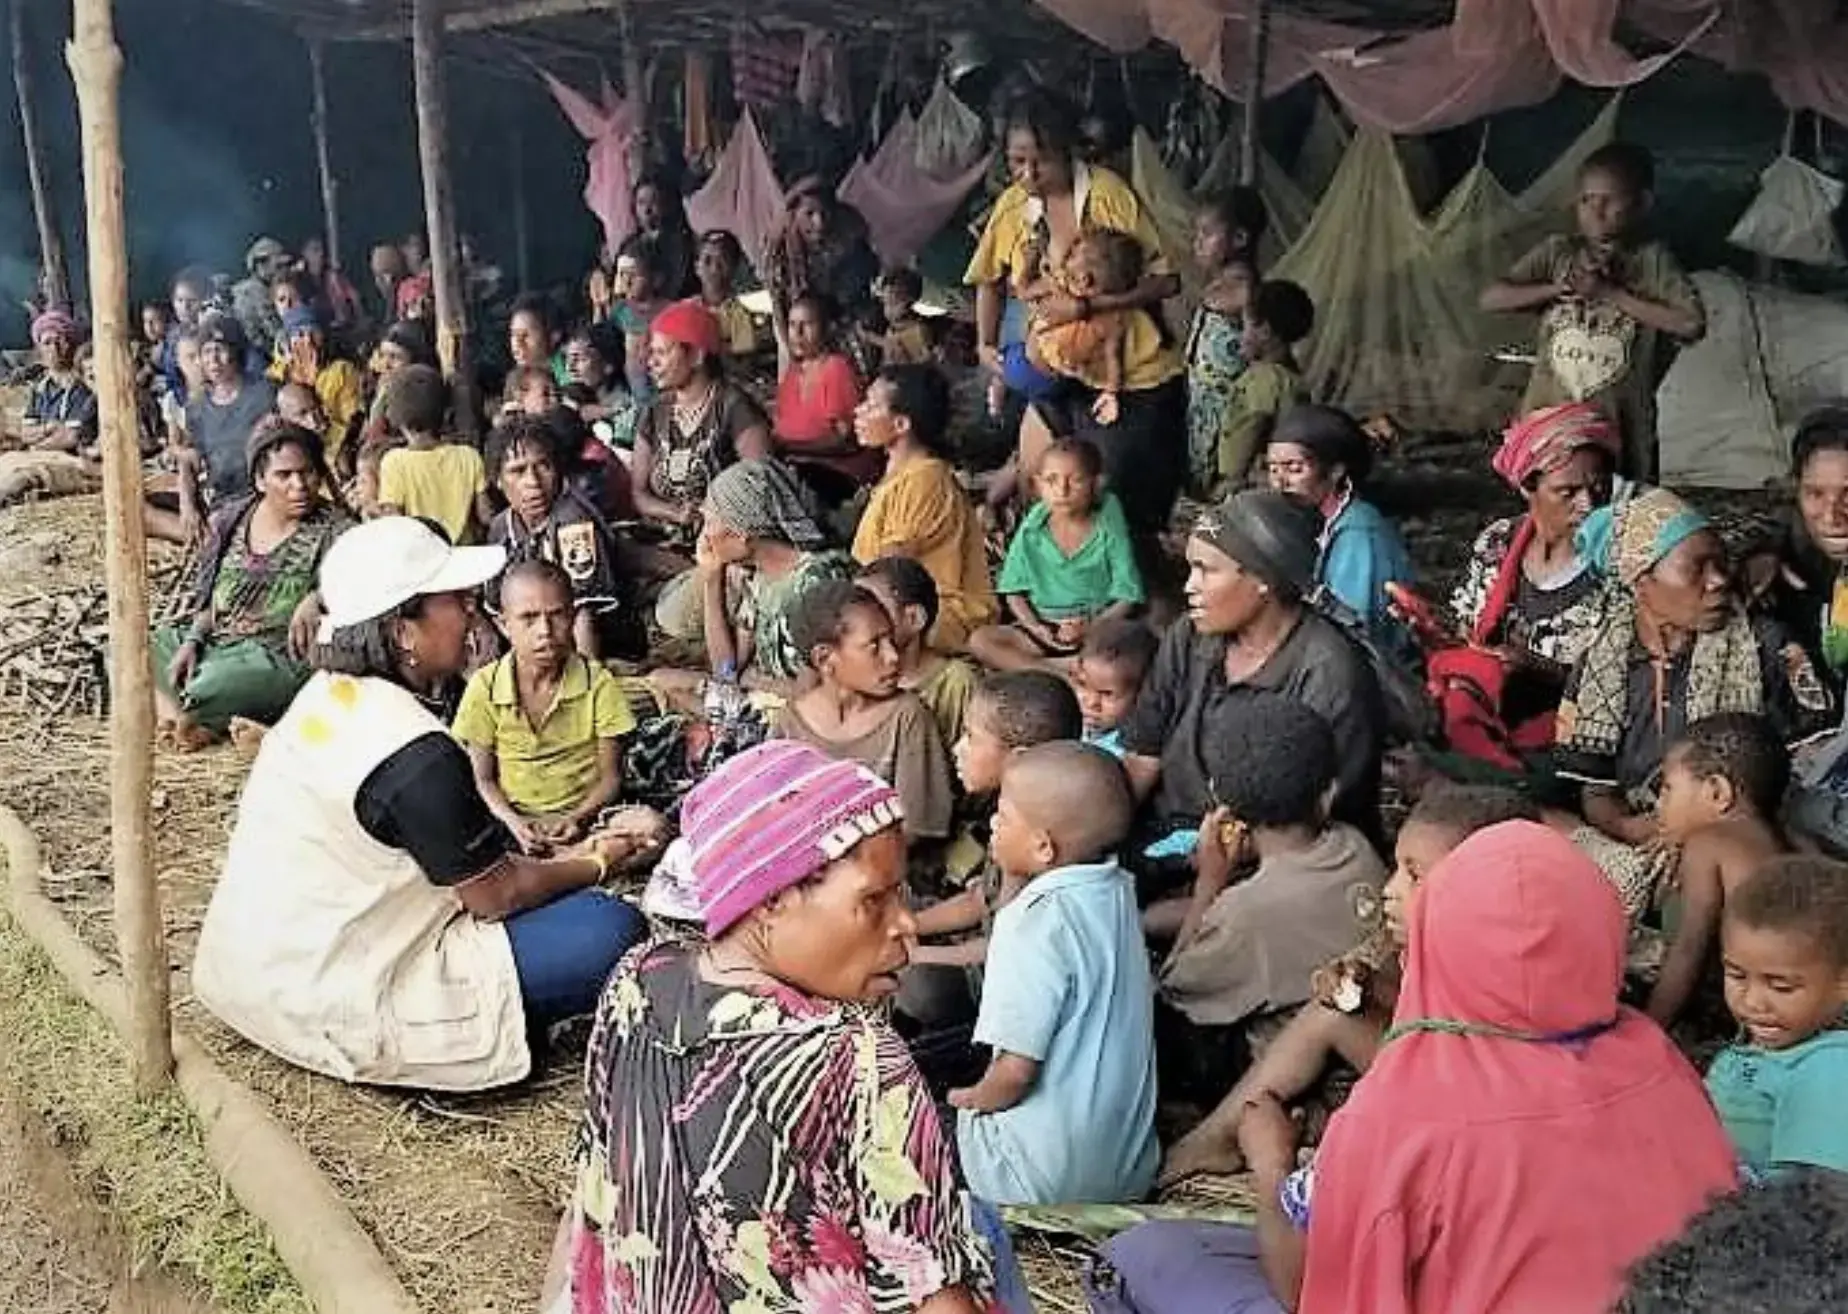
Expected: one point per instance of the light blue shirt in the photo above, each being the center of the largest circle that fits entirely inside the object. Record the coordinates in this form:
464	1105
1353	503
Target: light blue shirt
1108	741
1783	1107
1068	984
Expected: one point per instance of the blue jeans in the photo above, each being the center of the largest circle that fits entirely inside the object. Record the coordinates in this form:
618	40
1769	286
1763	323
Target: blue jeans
565	950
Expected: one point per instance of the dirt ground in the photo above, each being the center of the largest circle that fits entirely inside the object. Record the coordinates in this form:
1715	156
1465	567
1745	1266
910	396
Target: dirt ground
460	1194
58	1252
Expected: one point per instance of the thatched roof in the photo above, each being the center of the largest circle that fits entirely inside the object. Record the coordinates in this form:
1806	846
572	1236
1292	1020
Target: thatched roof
593	29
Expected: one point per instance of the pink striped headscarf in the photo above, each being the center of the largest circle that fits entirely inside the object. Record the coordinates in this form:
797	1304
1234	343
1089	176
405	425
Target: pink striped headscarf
772	817
1545	439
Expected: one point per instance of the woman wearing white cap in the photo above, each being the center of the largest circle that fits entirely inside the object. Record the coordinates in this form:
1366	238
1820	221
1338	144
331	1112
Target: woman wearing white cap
374	922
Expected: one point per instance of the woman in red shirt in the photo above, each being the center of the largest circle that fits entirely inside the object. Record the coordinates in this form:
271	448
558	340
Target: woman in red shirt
815	402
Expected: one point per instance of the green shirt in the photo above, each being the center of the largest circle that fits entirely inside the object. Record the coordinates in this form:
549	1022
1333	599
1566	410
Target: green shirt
1783	1107
1101	573
550	767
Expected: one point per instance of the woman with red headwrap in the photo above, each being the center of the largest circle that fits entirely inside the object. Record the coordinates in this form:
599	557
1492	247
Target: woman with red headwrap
698	424
1528	602
1526	586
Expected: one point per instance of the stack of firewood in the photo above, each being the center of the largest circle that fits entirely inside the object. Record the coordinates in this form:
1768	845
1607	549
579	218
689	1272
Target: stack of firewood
54	644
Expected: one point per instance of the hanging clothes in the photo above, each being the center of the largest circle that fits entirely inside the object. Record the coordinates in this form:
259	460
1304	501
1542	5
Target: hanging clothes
764	67
904	206
743	194
701	142
821	78
613	131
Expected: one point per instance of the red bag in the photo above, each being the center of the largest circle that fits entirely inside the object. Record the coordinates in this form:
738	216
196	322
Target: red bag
1469	684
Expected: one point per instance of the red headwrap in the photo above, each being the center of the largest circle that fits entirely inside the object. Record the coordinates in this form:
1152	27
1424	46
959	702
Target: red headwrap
1545	439
691	325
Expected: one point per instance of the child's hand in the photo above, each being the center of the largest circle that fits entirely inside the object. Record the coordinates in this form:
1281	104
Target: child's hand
1106	408
1070	633
559	831
965	1097
1222	842
527	836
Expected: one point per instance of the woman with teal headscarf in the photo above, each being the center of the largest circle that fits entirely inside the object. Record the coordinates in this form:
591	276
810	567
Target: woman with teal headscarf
1673	645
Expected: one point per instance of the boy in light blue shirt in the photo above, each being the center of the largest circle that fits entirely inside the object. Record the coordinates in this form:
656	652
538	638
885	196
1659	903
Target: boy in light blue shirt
1784	949
1066	1111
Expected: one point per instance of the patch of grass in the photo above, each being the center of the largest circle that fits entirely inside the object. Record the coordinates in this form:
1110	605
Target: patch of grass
145	1160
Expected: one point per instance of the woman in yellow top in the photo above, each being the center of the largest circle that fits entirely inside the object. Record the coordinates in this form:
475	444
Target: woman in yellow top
303	357
918	509
1053	200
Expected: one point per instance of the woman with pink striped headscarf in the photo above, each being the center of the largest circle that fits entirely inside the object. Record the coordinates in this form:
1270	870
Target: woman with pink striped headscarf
756	1134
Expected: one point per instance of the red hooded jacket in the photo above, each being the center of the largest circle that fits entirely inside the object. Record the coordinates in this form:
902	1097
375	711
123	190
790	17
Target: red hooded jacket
1495	1173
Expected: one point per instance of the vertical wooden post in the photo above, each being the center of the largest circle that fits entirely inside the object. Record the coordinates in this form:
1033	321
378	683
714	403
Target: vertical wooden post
54	275
522	222
452	328
323	156
1257	55
96	69
635	91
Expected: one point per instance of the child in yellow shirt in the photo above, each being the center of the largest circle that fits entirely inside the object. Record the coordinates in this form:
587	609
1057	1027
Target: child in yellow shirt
543	726
429	477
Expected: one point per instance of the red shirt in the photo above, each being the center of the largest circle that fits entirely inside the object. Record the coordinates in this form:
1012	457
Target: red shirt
815	401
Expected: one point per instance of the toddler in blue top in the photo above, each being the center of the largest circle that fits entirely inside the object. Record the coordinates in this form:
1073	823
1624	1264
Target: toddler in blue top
1784	950
1066	1110
1108	676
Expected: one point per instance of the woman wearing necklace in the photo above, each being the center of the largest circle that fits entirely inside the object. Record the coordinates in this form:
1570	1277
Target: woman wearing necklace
699	423
752	1086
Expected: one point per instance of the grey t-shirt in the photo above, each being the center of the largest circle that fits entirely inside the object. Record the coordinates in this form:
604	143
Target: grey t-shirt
220	433
1317	665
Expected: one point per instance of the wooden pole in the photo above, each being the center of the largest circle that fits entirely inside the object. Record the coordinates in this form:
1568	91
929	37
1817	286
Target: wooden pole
522	222
54	274
96	69
1257	55
323	156
439	199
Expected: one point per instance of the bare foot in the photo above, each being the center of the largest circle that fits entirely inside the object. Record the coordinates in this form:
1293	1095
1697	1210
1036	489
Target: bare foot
246	736
191	738
1208	1148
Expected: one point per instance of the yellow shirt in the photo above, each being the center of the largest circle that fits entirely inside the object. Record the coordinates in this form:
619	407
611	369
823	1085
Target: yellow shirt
439	482
548	768
923	512
339	388
342	396
1103	200
737	330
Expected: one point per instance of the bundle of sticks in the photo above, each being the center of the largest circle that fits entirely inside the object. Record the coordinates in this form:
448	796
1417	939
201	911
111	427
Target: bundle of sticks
54	644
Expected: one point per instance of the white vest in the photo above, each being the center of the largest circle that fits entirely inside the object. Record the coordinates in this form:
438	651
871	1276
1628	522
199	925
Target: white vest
330	949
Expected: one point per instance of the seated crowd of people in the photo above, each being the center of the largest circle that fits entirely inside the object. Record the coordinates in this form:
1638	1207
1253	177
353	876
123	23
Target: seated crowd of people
1001	848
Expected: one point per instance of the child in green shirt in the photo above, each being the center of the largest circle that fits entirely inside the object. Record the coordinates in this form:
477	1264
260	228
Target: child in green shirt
1784	950
1070	564
1279	315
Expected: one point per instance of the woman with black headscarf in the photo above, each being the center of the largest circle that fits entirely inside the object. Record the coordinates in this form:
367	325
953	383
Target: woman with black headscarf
1250	564
1321	458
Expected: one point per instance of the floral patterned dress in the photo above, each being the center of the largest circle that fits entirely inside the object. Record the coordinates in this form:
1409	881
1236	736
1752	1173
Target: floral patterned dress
1215	359
1553	619
751	1152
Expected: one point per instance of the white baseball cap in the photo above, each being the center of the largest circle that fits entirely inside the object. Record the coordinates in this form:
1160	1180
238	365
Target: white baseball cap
379	566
